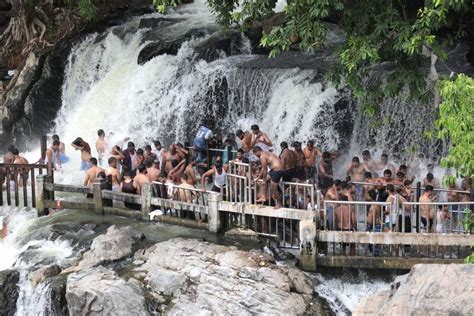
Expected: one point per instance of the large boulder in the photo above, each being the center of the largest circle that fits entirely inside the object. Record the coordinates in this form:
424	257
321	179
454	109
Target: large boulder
8	291
197	277
429	289
114	245
160	45
99	291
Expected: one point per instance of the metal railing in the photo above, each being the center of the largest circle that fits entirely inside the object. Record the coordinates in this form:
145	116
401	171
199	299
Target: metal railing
299	195
17	179
439	217
331	207
191	203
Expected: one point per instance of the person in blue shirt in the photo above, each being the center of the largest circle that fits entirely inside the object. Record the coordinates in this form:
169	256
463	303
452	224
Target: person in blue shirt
201	143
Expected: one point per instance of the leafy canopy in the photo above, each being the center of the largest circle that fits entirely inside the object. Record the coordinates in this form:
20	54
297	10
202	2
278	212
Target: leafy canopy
402	32
456	123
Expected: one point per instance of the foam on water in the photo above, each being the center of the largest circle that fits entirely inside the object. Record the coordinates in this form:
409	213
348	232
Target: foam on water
343	294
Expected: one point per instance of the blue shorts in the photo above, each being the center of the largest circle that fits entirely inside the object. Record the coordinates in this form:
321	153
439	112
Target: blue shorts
85	165
63	159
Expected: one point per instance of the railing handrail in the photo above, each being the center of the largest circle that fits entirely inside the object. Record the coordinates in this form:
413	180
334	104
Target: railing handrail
413	188
307	185
439	203
20	165
183	188
230	175
358	202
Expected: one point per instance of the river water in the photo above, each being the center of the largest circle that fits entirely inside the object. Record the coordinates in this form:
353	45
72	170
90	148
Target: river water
61	238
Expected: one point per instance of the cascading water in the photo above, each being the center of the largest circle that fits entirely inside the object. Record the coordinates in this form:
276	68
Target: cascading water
23	252
168	97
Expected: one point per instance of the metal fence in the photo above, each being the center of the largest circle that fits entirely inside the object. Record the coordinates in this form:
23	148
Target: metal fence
191	203
18	182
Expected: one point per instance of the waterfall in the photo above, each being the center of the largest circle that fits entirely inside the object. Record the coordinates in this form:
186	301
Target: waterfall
168	97
21	250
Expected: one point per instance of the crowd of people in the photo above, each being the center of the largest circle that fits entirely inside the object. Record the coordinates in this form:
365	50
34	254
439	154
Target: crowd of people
128	168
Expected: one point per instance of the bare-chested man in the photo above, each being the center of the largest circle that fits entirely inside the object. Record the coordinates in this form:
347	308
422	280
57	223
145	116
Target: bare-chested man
152	170
190	172
245	139
288	162
260	139
271	161
427	211
23	174
100	146
346	221
370	163
141	178
80	144
113	172
384	164
185	195
311	153
357	171
332	194
169	156
300	171
92	172
325	172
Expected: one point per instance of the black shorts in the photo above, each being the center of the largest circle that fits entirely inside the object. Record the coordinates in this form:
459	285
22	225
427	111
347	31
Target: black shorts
300	173
276	175
288	175
423	221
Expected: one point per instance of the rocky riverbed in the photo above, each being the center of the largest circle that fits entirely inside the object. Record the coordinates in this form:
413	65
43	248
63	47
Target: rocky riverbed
429	289
118	277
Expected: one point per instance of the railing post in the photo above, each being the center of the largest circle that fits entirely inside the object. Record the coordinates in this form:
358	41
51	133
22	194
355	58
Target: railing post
417	207
44	145
229	154
146	200
215	224
97	191
472	198
308	245
40	195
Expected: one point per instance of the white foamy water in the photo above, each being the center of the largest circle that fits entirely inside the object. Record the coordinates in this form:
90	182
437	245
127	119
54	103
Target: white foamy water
168	96
343	294
22	256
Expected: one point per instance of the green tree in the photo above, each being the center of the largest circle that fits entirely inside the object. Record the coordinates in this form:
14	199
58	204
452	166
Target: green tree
455	123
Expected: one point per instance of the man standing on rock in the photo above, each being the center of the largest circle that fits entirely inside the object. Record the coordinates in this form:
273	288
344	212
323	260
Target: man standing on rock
270	161
141	178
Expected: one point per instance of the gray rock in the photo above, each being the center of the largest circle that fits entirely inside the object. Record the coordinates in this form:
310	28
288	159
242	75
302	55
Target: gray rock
58	295
206	279
99	291
8	291
116	244
429	289
41	274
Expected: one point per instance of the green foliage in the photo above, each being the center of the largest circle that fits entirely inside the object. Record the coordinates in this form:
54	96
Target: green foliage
456	123
224	11
161	5
86	7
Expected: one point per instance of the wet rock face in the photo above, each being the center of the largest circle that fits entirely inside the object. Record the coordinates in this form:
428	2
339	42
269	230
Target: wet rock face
8	292
115	245
202	278
429	289
99	291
